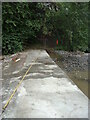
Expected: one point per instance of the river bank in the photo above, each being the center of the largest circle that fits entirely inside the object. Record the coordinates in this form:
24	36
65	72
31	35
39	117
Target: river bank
75	65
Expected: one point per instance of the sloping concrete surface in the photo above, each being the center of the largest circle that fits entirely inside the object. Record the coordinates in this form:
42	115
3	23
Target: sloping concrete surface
46	92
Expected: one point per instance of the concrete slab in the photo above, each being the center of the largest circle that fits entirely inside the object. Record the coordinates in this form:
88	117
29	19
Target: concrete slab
46	92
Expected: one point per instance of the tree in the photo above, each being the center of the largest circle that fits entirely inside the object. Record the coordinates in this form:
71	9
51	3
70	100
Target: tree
26	22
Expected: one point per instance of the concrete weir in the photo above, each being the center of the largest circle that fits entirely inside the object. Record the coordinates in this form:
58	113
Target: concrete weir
46	92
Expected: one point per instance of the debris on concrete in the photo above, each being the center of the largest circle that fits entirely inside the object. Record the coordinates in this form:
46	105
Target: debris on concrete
17	60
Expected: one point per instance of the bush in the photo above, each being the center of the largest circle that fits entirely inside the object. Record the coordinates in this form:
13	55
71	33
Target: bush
11	44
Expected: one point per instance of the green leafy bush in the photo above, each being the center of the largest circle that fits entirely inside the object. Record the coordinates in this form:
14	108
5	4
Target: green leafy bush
11	44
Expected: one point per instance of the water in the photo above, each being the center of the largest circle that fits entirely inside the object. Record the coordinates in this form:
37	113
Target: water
79	77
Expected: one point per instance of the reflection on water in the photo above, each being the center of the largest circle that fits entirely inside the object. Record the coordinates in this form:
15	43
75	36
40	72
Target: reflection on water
80	78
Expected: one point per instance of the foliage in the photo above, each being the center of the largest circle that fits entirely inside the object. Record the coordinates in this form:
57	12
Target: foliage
21	24
70	24
11	44
25	22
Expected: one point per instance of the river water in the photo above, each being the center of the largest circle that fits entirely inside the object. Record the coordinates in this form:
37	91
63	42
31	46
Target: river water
75	65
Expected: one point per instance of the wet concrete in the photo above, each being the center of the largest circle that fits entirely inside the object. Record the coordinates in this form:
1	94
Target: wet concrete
46	92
